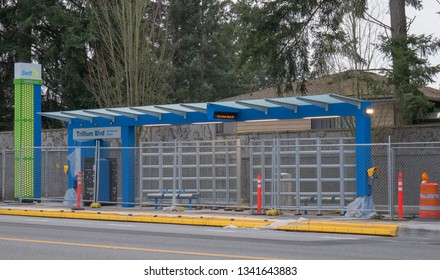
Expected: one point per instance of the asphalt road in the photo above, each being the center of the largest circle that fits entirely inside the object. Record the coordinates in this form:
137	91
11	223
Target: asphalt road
63	239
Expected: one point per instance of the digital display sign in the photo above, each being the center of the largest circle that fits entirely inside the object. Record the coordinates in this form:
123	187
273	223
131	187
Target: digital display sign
226	115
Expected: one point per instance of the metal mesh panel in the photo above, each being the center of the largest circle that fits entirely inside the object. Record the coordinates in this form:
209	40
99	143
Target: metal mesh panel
208	168
302	174
24	137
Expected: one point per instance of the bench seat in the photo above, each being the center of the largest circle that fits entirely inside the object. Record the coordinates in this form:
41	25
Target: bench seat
169	195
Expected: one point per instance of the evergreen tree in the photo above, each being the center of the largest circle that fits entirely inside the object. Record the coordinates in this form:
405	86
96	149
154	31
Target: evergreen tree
293	40
62	40
410	69
205	51
15	45
53	33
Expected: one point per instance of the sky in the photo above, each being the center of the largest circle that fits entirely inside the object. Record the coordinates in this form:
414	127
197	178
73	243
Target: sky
427	22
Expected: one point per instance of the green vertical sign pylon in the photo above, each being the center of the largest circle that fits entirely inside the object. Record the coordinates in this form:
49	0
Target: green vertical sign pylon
27	130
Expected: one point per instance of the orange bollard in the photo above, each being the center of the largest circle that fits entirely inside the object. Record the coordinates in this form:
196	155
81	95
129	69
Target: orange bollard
400	196
259	195
429	201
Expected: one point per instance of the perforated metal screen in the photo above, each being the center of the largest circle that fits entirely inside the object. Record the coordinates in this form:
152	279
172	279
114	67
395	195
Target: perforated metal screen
24	137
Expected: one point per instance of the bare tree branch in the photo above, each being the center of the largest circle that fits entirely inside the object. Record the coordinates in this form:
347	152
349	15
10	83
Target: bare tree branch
130	65
374	20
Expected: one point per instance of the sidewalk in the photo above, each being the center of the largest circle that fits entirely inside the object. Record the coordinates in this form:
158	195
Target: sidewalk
287	221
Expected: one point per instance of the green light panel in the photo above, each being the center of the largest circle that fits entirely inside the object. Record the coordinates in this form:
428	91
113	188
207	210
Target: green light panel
24	137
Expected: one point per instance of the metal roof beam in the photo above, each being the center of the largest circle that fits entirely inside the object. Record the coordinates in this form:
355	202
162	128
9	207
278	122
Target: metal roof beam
100	114
172	110
313	102
79	116
349	100
261	108
384	101
57	117
123	113
193	107
287	105
147	112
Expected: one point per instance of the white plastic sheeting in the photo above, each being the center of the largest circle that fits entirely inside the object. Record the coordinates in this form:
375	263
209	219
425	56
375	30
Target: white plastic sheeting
74	159
361	207
70	197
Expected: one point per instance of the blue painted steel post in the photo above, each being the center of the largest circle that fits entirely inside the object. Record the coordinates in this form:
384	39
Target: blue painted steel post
363	153
37	141
128	157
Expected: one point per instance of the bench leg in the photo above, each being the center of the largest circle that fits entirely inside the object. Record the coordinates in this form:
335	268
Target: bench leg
156	202
190	203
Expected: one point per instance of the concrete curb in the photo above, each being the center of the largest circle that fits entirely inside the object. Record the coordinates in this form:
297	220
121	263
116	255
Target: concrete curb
419	231
365	228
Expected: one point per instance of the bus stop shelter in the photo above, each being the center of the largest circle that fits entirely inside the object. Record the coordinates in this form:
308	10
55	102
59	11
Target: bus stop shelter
85	127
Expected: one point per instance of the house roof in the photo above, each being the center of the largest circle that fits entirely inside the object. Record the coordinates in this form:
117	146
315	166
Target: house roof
344	83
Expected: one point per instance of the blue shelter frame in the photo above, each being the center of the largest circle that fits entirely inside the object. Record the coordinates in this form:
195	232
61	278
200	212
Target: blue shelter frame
127	118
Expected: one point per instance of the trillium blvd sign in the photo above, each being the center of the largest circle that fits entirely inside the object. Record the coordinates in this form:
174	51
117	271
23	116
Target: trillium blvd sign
97	133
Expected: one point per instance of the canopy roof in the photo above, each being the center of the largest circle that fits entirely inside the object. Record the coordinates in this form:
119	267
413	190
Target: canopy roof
324	105
126	118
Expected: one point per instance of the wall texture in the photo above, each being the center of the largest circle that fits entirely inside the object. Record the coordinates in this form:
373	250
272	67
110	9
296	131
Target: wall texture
422	133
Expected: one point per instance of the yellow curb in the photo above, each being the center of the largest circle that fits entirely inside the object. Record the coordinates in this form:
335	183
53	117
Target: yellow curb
369	228
183	220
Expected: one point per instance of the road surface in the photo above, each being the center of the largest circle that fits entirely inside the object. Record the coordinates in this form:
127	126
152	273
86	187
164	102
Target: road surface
63	239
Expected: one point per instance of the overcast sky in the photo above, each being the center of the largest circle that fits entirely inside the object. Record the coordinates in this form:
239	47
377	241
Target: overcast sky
427	22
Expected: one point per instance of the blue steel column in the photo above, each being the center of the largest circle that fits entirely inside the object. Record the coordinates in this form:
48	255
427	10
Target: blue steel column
363	153
128	194
37	141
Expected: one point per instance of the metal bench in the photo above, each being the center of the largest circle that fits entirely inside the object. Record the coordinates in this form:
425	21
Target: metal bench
169	195
327	199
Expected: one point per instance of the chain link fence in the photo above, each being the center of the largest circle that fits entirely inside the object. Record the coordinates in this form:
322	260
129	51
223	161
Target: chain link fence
301	175
6	174
53	173
413	159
